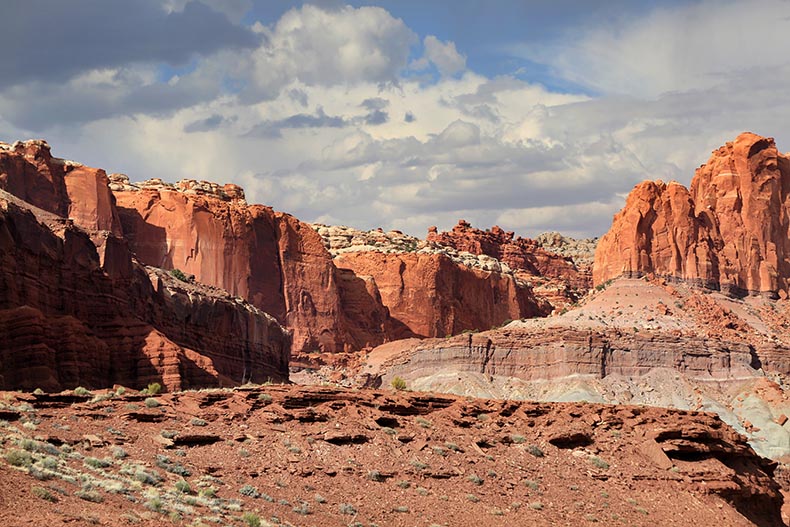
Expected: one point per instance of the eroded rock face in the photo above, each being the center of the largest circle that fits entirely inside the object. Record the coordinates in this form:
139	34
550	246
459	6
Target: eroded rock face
62	187
729	232
66	322
556	277
275	261
75	308
433	296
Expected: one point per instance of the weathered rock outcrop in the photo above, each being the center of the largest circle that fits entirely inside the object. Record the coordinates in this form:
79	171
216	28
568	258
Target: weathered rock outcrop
270	258
75	308
66	322
561	281
729	232
376	290
433	296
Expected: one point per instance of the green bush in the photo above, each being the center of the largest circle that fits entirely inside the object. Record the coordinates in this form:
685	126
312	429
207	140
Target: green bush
150	402
153	388
251	519
81	391
249	491
398	383
179	275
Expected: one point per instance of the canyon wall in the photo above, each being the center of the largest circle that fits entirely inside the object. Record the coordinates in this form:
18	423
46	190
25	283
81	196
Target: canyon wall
556	278
77	309
730	231
433	296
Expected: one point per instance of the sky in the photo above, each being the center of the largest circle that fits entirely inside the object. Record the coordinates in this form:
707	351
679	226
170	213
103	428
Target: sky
401	114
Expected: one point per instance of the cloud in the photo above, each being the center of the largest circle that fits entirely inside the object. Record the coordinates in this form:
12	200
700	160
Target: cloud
676	48
273	129
53	41
441	54
319	46
325	118
208	124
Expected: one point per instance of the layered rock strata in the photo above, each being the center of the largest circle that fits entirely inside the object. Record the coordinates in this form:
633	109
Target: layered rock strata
555	277
433	296
77	309
730	231
374	291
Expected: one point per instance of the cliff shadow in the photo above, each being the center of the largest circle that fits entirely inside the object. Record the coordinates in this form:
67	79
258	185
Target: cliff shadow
148	242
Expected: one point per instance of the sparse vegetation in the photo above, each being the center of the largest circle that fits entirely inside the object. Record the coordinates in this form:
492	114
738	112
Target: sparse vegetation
153	388
198	422
475	479
44	494
398	383
81	391
599	463
151	402
178	274
347	508
535	451
249	491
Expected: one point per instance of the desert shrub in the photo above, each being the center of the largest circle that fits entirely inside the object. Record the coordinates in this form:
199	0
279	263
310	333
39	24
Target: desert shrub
475	479
251	519
119	452
44	494
249	491
89	495
154	504
347	508
150	402
518	439
81	391
198	422
153	388
183	486
599	463
178	274
96	463
303	508
19	458
535	450
423	422
398	383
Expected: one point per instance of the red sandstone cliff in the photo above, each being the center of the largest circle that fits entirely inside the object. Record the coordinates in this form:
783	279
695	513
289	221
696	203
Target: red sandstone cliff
75	308
563	281
282	266
433	296
275	261
729	232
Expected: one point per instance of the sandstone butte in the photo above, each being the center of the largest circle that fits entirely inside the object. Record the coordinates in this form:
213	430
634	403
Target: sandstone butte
77	309
562	281
281	265
729	232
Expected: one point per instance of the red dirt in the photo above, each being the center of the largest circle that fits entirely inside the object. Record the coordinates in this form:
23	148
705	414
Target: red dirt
395	458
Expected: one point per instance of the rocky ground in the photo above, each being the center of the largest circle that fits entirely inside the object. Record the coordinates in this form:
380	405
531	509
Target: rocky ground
632	341
269	455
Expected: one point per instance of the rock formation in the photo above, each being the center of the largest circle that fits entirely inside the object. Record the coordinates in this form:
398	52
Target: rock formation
76	308
634	342
285	267
555	277
432	296
729	232
379	457
270	258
